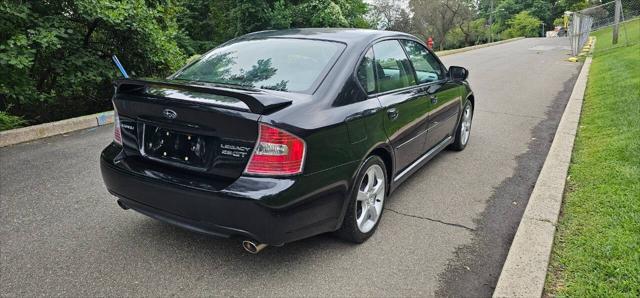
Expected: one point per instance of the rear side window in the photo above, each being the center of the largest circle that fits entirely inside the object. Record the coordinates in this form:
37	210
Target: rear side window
281	64
366	74
425	64
392	66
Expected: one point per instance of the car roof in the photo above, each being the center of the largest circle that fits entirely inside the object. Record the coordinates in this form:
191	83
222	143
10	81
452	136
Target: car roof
344	35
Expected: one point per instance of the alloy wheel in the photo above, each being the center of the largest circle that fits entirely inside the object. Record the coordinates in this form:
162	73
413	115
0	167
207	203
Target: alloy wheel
370	199
465	128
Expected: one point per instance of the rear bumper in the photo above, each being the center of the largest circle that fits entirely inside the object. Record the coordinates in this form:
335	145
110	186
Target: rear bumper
267	210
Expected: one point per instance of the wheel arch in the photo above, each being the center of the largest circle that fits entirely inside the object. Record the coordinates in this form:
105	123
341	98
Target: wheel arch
472	99
382	150
469	97
385	154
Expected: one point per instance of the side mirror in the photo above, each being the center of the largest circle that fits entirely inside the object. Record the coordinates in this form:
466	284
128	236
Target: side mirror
458	73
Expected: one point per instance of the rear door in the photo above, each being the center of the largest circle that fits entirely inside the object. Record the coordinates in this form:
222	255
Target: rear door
406	119
441	95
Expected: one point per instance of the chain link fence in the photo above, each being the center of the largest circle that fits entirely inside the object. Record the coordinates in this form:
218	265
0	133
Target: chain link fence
579	30
620	18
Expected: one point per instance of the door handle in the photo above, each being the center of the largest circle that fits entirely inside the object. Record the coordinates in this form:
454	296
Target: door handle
392	113
434	99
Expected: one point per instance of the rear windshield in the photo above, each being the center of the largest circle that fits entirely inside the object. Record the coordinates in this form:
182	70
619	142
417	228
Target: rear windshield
293	65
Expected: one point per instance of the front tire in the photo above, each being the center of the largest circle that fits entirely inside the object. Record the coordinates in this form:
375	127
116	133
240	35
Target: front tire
463	131
366	202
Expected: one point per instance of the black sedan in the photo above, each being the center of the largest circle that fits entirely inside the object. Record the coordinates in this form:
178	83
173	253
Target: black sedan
277	136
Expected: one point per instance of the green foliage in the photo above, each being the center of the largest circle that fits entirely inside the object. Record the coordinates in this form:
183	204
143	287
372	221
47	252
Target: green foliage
321	13
523	24
8	121
458	22
469	33
506	9
545	10
55	56
558	21
281	15
573	5
209	23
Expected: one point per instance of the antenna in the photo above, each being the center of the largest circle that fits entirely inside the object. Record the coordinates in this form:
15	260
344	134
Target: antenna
119	65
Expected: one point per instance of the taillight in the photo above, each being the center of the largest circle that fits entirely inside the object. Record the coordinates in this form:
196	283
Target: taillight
276	153
117	132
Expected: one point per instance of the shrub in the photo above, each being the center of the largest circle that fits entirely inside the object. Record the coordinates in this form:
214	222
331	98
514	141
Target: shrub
523	24
8	121
55	56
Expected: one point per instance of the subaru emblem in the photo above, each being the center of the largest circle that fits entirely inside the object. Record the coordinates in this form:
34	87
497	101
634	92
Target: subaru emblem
169	114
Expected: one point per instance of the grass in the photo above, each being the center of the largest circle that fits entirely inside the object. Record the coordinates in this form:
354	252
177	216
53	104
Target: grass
8	121
597	246
628	33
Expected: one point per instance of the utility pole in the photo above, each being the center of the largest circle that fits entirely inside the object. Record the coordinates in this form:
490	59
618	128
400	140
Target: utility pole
616	21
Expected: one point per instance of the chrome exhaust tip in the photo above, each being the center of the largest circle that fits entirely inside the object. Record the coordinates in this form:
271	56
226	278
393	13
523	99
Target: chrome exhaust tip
252	247
122	205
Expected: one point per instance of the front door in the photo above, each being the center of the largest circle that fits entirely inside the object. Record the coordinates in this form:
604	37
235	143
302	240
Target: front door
442	95
406	109
443	112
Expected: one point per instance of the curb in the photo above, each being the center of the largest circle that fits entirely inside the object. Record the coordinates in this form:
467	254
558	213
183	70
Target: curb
525	269
30	133
460	50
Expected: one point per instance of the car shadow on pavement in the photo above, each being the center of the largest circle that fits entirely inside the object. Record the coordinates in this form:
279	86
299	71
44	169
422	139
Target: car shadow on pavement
160	234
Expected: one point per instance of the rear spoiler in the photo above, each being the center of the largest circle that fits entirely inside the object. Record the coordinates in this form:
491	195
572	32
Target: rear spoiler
258	101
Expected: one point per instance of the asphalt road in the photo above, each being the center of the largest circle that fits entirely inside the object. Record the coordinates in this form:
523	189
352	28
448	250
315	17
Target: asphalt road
446	230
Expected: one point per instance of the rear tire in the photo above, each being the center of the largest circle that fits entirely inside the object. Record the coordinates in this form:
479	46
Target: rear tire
463	130
366	202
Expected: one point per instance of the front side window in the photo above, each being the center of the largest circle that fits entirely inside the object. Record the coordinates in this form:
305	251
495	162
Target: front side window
278	64
366	74
392	66
425	64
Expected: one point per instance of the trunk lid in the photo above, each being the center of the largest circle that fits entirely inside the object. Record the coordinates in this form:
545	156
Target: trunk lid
191	127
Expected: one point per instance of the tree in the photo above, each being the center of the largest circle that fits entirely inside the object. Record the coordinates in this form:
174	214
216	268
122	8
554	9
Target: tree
560	6
320	13
389	15
473	31
403	22
438	17
545	10
55	56
208	23
523	24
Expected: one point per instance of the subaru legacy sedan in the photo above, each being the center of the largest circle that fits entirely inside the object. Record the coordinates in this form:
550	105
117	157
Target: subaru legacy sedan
276	136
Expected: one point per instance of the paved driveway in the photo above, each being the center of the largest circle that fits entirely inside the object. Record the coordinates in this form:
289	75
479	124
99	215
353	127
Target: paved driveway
446	230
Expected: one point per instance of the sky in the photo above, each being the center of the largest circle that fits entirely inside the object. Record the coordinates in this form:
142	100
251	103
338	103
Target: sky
402	3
